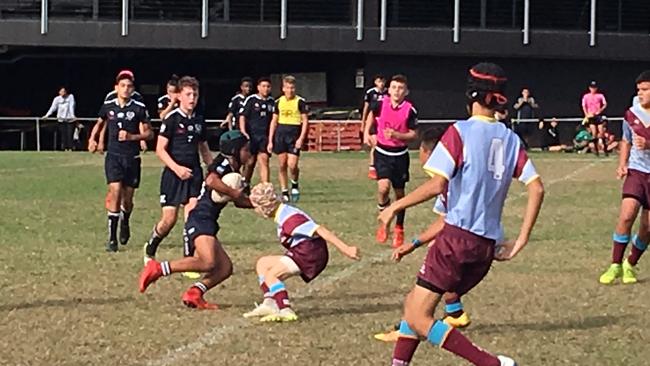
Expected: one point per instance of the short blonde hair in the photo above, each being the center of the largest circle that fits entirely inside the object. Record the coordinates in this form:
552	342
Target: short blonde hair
289	79
264	199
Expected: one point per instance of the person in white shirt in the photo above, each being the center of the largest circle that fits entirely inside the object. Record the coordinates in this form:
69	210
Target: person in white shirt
64	104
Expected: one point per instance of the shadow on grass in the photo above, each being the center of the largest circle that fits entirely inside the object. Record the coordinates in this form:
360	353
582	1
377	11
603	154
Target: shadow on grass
592	322
67	303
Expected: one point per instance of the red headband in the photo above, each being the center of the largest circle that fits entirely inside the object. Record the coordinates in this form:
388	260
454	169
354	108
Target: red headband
482	76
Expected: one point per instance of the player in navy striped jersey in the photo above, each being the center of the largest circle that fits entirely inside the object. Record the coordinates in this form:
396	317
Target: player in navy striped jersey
123	123
169	101
232	118
370	99
181	142
255	122
203	251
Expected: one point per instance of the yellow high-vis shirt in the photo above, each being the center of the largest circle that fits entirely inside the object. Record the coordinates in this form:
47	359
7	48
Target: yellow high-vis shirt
289	111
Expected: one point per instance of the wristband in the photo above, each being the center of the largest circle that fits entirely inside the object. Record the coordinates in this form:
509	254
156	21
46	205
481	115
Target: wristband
416	243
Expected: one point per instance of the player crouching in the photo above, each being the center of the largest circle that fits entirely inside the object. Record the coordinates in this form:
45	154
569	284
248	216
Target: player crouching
306	255
203	251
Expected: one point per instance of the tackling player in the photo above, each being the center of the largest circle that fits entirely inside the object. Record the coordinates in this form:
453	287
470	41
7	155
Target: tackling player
181	141
306	253
126	122
289	128
203	251
396	121
255	122
475	162
634	166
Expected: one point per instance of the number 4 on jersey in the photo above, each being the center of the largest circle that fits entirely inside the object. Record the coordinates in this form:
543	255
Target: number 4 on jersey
495	159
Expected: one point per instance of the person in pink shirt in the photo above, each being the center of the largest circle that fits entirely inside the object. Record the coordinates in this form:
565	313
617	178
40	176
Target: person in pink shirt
395	119
593	105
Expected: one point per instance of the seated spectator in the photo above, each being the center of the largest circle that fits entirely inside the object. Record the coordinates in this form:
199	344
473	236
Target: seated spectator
582	142
609	139
550	138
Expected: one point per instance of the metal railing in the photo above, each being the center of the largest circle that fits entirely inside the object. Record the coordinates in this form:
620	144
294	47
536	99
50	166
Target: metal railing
589	16
25	125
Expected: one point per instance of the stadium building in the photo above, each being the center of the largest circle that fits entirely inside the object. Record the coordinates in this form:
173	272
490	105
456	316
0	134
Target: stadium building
554	47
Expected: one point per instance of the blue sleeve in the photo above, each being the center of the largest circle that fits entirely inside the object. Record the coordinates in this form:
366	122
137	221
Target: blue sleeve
627	132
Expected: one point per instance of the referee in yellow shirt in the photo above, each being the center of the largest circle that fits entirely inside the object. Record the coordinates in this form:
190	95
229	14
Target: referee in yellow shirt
287	135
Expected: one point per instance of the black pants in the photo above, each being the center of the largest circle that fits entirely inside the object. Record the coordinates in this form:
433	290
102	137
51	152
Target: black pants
66	130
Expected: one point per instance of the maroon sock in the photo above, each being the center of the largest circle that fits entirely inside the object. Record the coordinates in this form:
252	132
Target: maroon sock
404	350
463	347
618	251
635	254
282	299
265	290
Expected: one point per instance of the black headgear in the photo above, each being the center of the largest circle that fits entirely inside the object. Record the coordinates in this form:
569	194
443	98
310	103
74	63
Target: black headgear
486	84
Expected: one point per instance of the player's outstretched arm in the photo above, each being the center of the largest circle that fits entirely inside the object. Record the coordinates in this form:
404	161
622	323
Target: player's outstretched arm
349	251
509	250
425	192
425	237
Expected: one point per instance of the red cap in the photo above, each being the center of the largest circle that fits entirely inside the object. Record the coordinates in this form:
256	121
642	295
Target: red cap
127	73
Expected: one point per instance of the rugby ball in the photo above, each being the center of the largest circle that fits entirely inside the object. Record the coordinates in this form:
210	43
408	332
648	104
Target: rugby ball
232	180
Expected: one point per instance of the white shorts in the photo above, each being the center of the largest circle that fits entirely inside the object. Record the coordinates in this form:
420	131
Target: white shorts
291	265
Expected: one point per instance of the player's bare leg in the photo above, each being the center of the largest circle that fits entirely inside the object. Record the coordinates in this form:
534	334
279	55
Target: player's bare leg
209	258
418	322
398	230
284	179
294	172
639	246
125	213
113	199
383	201
372	173
249	168
593	130
629	211
160	231
601	138
265	174
271	271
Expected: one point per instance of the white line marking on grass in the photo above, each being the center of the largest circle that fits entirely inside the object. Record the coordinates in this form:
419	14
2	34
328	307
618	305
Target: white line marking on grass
217	333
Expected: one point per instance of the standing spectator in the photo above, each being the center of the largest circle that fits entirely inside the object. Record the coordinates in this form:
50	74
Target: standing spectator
593	105
525	108
64	106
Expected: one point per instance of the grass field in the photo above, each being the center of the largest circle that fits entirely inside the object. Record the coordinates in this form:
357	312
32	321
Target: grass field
64	301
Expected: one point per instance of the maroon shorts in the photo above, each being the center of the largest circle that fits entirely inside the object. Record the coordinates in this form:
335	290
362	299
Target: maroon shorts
637	186
311	257
457	261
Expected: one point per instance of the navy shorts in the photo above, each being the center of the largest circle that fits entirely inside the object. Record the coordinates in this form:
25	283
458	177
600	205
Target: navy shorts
394	168
195	227
637	186
123	169
175	192
284	140
259	143
311	256
457	262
